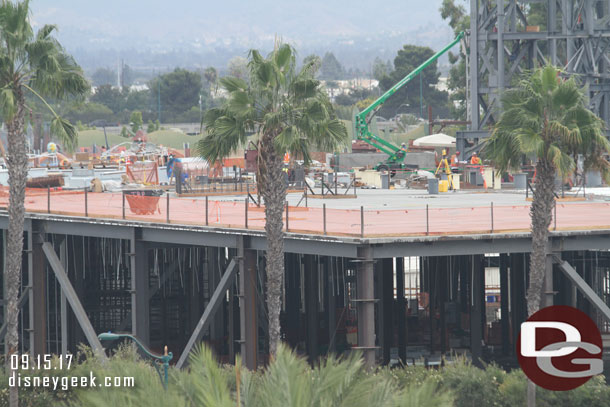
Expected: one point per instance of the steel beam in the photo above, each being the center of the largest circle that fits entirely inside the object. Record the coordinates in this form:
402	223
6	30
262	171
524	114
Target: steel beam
73	299
582	286
210	310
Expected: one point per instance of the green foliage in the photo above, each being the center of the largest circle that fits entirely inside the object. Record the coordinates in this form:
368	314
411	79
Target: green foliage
88	112
124	132
407	59
35	64
459	20
179	91
238	67
157	125
136	121
315	62
330	68
150	126
545	116
290	381
279	100
103	76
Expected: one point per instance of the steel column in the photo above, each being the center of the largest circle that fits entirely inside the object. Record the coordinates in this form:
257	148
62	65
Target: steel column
247	303
140	299
311	307
366	305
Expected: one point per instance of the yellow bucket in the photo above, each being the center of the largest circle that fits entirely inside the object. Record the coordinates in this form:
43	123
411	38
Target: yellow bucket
443	185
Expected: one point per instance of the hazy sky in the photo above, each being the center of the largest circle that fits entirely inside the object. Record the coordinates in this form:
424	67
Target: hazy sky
115	23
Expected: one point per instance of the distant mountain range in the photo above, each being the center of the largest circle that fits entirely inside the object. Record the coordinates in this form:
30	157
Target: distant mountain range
157	36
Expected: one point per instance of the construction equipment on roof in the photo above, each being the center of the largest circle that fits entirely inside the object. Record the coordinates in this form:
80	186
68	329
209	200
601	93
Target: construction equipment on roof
396	155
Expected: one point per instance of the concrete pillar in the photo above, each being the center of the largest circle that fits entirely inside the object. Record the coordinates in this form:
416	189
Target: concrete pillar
140	302
401	309
366	305
504	300
311	306
247	304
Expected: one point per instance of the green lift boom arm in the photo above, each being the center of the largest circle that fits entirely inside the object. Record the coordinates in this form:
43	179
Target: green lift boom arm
362	120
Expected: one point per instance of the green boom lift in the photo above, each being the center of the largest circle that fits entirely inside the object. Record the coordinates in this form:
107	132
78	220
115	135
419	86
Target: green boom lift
396	158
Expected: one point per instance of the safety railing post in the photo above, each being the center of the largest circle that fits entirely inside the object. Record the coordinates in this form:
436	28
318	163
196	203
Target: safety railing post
362	221
167	215
306	196
48	199
324	216
427	221
123	205
206	210
287	222
492	217
86	204
246	212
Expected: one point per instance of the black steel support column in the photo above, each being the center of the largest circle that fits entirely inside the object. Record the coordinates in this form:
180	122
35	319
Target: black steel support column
400	311
311	306
476	311
293	299
518	270
37	302
366	305
504	299
140	298
331	302
385	308
247	304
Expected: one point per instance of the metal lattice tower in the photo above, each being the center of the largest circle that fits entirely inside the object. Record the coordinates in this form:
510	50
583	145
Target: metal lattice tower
574	35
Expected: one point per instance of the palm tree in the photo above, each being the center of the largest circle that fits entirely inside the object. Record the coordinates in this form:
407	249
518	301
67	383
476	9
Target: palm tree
34	64
289	111
545	116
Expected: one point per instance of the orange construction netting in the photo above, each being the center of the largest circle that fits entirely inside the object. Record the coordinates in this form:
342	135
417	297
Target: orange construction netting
339	222
143	173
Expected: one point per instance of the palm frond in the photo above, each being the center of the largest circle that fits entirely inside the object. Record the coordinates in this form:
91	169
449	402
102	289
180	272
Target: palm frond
65	132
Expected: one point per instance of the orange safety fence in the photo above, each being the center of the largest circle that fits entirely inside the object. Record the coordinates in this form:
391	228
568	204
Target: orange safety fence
335	222
143	173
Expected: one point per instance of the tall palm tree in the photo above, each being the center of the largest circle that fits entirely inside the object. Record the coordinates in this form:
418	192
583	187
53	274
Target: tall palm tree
545	116
290	112
34	64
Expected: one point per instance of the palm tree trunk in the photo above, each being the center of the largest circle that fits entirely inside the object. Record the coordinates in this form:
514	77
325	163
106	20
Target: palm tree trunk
274	194
541	213
17	175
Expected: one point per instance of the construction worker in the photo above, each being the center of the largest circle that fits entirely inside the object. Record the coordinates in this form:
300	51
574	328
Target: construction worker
475	159
455	159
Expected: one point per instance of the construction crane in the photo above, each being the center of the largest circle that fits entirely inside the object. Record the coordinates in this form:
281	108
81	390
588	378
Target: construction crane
396	155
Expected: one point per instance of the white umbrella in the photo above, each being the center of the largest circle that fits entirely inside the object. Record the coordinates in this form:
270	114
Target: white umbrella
435	140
